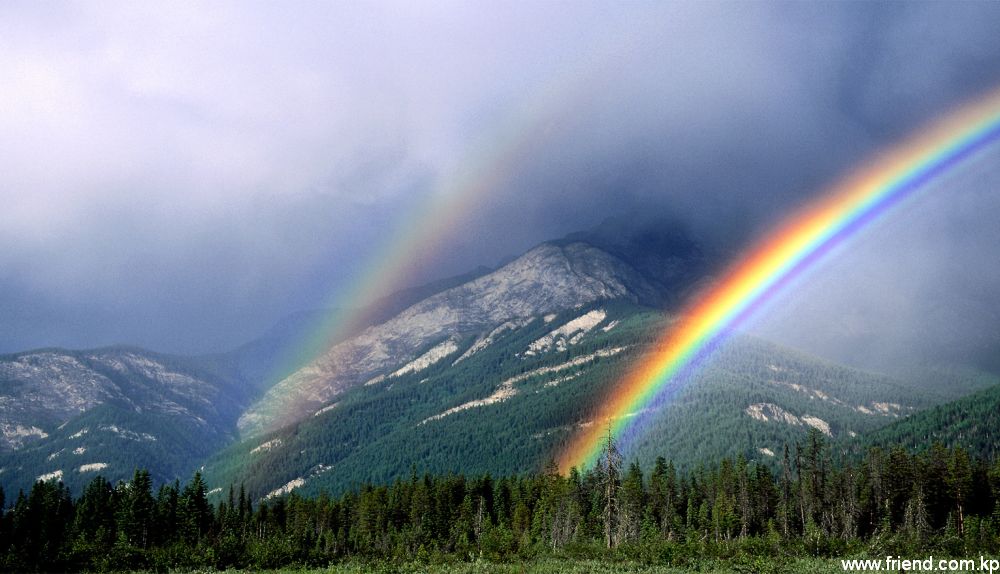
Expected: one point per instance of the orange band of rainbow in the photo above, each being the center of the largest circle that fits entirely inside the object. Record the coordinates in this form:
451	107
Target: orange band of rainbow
798	244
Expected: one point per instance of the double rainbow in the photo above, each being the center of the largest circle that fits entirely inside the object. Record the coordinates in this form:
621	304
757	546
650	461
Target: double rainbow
796	246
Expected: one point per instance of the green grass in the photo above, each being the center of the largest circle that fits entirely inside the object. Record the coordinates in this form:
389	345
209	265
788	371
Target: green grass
558	566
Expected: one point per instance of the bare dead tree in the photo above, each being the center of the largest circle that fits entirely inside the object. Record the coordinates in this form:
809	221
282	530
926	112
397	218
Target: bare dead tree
610	467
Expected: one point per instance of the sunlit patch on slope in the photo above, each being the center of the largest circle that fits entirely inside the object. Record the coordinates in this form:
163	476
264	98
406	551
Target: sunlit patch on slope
288	487
126	433
326	409
769	412
54	475
504	392
429	358
424	361
569	334
488	340
506	389
297	482
15	435
810	392
560	380
264	447
585	424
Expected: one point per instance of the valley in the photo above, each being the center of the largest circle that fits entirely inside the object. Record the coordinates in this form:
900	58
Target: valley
488	372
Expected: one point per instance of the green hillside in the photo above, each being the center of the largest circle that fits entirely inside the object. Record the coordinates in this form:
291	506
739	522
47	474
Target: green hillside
163	413
972	422
114	443
379	432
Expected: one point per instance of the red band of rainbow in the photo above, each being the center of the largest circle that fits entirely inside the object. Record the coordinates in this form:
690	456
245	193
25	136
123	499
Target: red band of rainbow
797	245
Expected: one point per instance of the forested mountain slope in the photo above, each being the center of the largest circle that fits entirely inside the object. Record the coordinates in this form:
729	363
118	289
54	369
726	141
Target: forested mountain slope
506	399
971	422
547	279
72	414
490	372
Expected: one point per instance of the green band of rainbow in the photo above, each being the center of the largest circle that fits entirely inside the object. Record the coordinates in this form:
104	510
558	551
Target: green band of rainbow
445	216
796	246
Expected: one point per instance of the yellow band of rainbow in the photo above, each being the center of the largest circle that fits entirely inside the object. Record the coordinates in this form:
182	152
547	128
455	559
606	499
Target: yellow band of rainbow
798	244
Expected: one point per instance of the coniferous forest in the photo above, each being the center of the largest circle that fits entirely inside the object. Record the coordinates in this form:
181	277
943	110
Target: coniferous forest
940	501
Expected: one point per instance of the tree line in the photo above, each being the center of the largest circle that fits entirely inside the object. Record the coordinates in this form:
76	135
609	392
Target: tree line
811	503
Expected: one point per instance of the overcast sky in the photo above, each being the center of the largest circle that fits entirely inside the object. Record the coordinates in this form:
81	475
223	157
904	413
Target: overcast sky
181	175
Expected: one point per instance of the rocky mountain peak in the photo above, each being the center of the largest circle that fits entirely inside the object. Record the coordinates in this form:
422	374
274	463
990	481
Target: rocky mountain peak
550	277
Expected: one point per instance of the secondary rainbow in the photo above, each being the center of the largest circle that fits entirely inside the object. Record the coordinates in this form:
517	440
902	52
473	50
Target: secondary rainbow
765	270
562	99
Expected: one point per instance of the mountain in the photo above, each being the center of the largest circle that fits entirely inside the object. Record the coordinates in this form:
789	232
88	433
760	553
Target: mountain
507	398
494	375
291	343
72	414
972	422
663	252
549	278
488	372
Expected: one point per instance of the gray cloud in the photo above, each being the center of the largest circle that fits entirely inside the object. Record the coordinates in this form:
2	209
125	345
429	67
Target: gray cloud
180	176
918	287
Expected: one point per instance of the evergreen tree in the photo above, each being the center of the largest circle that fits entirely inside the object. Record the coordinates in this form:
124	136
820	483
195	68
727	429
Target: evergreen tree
194	515
658	495
785	504
136	512
960	484
94	524
721	510
633	502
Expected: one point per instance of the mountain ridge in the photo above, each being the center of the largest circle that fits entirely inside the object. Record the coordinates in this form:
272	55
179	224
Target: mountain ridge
504	410
547	278
493	369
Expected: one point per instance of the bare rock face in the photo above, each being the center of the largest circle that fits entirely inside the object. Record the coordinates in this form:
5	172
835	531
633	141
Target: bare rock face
548	278
41	390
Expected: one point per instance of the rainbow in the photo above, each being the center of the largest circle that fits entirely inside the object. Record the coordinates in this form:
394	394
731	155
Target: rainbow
767	269
406	250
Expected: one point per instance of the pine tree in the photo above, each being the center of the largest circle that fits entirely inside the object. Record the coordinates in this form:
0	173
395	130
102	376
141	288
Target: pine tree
960	484
194	514
136	510
94	522
743	495
785	503
934	468
633	501
915	517
898	483
994	485
610	466
658	494
167	509
876	498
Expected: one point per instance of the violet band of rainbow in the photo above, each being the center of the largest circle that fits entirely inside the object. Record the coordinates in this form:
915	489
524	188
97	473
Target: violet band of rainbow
799	244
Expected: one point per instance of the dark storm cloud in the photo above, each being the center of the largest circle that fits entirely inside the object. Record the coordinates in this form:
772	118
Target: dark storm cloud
920	287
180	176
